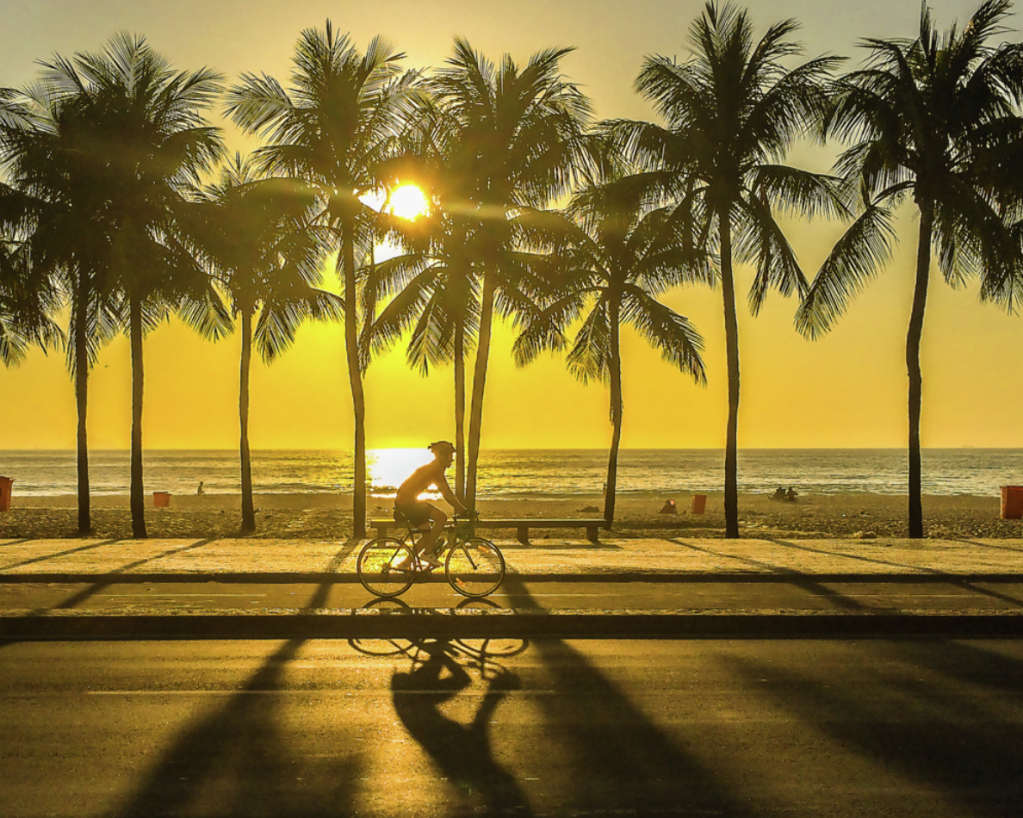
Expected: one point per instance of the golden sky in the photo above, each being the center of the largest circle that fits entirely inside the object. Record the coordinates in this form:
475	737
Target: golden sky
847	390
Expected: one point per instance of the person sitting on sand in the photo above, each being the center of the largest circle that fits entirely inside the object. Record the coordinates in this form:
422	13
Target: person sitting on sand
779	494
418	513
791	495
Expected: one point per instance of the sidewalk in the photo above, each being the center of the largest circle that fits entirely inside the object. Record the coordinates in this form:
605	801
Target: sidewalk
678	560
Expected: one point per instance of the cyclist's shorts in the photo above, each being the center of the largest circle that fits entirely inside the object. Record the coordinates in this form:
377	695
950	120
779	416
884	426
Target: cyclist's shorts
417	513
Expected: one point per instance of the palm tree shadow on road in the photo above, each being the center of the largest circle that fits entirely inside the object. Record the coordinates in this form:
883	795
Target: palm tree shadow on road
235	761
621	759
945	719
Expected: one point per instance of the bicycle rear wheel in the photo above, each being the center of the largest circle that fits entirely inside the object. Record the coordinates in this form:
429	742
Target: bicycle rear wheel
474	567
385	567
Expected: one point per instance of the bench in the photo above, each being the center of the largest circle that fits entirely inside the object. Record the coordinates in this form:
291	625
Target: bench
521	526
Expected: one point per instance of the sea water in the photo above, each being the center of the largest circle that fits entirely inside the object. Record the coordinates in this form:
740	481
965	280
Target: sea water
531	473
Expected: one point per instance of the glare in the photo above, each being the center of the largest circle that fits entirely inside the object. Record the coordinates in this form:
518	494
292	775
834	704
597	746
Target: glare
388	468
408	202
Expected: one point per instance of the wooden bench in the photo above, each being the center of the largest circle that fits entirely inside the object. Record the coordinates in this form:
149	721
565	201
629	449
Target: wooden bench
521	526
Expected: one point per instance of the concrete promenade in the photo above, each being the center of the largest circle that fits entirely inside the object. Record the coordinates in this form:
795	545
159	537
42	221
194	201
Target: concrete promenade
989	572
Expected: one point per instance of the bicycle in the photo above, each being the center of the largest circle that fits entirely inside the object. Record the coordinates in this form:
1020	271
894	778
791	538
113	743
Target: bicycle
473	566
480	653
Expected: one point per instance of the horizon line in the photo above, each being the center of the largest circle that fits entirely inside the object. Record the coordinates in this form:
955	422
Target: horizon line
541	449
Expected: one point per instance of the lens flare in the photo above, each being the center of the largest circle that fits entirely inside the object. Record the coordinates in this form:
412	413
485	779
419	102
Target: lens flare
408	202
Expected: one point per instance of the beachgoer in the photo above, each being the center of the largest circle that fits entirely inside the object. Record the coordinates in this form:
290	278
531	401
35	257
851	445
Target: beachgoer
200	491
791	495
419	513
779	494
669	508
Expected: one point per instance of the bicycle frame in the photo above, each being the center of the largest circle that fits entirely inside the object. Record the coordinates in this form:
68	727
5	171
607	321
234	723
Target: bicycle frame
388	566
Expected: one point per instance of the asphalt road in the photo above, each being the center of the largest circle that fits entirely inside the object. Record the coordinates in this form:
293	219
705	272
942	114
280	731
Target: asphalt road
378	727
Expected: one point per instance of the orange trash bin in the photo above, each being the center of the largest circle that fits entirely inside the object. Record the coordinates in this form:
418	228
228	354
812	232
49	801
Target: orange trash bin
6	489
699	503
161	499
1012	502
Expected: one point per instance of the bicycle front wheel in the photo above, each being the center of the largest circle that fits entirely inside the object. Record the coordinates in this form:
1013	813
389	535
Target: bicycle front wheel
474	567
385	567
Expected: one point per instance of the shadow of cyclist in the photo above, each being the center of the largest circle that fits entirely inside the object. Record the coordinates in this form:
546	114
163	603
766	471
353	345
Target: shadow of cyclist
462	752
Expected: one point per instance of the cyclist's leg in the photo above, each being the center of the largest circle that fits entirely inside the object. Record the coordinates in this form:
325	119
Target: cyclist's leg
428	542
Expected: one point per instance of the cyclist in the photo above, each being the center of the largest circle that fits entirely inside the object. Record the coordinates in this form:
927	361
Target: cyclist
420	513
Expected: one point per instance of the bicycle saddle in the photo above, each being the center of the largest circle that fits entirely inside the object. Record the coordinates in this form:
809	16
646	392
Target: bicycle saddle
401	518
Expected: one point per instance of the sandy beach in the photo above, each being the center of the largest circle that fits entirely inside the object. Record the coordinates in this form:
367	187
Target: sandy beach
328	517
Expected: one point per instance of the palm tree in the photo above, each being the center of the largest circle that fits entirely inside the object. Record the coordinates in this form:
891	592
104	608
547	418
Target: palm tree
49	210
732	110
617	254
933	119
333	128
434	300
256	232
431	290
146	143
512	139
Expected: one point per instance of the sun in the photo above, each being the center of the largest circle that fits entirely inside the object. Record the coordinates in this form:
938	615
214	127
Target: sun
408	201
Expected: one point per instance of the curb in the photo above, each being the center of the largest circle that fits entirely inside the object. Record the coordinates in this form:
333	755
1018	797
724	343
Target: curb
477	624
318	577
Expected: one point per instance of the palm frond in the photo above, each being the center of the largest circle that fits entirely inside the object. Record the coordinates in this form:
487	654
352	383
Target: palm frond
589	358
855	259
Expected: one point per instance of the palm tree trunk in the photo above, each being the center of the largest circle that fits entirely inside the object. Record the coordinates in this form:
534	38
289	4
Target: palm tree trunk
248	507
82	401
460	410
615	366
732	357
913	337
138	501
479	379
355	380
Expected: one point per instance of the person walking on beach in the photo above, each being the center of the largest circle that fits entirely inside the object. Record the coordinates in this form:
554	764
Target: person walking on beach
407	504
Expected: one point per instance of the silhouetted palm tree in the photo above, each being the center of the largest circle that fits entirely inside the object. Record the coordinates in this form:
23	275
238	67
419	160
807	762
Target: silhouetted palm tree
256	233
431	290
933	120
732	110
615	253
435	298
146	144
333	128
512	139
50	210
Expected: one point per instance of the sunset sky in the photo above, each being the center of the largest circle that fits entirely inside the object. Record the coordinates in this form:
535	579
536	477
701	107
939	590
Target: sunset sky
847	390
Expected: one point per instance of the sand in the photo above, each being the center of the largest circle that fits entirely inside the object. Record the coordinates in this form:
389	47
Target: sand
328	517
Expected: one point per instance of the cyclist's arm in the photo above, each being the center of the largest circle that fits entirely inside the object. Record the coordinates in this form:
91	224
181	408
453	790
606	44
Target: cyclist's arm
449	495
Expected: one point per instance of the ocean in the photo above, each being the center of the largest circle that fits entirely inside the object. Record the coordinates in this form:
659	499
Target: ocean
532	473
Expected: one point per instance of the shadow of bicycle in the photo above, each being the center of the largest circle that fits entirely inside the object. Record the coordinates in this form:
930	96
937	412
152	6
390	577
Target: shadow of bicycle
457	739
